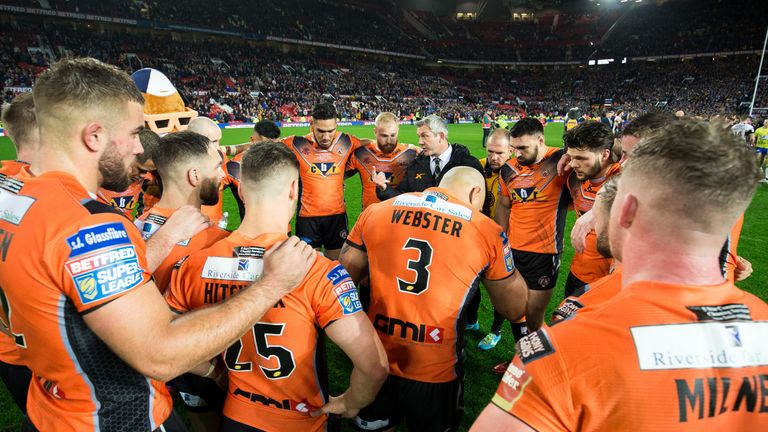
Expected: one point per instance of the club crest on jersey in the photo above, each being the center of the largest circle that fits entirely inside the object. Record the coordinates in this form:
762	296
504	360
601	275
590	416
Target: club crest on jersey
124	202
524	194
105	273
324	168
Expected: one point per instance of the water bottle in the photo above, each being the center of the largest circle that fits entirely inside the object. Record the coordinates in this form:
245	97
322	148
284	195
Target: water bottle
224	220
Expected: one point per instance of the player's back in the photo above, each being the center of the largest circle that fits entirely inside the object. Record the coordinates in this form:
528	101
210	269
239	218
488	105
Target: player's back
656	357
393	165
322	173
425	250
276	370
153	220
538	203
63	255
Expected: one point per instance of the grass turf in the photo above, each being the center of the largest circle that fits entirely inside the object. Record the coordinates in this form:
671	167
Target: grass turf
479	382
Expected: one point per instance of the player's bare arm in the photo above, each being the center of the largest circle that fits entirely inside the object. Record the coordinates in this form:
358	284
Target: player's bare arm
355	336
502	213
509	296
355	261
182	225
581	228
537	305
162	345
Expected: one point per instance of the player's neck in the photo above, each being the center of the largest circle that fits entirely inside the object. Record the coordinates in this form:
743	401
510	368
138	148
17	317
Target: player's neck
175	196
690	260
59	157
264	218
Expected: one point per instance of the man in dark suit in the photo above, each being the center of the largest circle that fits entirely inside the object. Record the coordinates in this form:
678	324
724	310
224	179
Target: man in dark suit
437	157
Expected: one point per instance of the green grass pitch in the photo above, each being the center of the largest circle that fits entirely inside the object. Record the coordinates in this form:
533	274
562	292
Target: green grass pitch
479	382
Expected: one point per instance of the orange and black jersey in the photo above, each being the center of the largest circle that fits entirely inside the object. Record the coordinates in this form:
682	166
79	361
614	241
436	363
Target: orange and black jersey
538	204
656	357
393	165
590	296
127	201
64	254
12	176
729	254
322	173
589	266
277	370
425	252
151	221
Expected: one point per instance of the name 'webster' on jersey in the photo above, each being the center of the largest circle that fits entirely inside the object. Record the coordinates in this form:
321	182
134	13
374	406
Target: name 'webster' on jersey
425	251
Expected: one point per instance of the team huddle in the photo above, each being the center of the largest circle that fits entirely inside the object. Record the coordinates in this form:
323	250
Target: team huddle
120	285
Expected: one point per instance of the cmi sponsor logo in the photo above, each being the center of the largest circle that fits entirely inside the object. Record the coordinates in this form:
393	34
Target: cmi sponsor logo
701	345
97	237
14	207
104	274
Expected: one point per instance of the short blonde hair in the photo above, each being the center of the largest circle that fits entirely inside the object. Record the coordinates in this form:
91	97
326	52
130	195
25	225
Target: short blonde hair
385	117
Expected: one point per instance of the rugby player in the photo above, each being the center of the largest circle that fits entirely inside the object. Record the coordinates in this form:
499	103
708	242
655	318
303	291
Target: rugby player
87	317
686	347
323	155
276	369
423	251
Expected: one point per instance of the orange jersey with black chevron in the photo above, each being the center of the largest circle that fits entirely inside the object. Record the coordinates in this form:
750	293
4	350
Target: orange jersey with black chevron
589	266
538	203
151	221
64	255
393	165
729	254
322	173
425	251
127	201
276	369
12	175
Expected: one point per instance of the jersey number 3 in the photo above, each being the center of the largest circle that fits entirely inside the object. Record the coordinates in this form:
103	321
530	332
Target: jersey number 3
420	266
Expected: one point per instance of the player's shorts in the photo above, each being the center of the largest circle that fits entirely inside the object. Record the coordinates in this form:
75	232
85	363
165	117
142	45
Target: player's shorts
327	231
16	379
539	270
572	285
228	425
198	394
172	424
423	406
761	150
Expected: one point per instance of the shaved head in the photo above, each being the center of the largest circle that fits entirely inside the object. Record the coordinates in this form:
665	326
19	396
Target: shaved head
466	184
207	128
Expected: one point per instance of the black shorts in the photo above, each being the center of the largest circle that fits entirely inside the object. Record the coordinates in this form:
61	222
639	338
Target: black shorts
16	379
199	394
538	270
572	284
327	231
424	406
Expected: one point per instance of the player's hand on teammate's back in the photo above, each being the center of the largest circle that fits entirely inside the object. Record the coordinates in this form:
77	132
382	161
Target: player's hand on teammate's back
336	405
379	179
184	224
581	228
563	165
287	262
415	148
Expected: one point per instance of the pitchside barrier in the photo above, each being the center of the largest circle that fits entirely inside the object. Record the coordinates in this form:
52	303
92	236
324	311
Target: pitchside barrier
245	125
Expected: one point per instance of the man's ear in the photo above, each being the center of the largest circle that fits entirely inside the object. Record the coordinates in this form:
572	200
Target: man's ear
193	177
628	211
94	136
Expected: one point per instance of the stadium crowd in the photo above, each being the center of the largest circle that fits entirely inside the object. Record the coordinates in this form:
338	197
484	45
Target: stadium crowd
123	312
230	81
